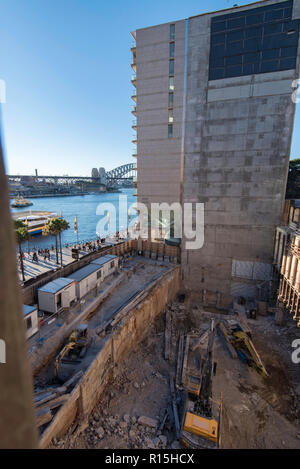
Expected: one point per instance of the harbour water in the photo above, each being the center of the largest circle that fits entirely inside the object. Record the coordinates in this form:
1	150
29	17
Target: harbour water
84	207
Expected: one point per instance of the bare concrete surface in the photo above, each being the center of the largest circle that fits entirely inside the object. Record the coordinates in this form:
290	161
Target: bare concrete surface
257	413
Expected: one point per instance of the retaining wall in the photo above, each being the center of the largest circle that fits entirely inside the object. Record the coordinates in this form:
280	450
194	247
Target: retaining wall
124	337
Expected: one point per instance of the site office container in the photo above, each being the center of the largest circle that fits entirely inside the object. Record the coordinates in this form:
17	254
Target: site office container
57	295
108	264
86	279
31	320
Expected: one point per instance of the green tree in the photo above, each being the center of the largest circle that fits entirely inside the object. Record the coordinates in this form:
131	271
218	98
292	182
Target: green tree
56	226
50	229
21	236
62	225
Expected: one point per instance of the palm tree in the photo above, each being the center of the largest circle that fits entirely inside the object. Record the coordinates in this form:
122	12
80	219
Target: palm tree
50	228
61	225
21	235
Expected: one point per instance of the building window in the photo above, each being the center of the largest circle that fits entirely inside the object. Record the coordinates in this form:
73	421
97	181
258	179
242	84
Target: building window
98	274
112	264
171	99
172	32
28	323
172	50
171	67
171	83
170	130
171	118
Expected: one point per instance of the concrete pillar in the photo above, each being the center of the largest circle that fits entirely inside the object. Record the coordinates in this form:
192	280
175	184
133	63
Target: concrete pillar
296	315
293	270
276	247
288	265
282	251
284	256
279	315
297	283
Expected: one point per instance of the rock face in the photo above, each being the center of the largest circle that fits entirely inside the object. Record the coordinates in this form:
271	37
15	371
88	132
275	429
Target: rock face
147	422
100	432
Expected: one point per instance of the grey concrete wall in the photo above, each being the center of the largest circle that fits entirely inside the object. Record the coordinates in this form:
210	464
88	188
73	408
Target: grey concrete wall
158	161
237	136
237	146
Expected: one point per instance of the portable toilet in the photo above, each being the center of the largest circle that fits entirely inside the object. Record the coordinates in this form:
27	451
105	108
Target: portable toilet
56	295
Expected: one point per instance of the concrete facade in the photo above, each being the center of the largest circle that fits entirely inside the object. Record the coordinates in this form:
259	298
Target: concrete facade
159	157
235	134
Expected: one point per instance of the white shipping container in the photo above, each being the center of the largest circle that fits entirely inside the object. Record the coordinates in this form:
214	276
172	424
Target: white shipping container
86	279
31	320
108	263
56	295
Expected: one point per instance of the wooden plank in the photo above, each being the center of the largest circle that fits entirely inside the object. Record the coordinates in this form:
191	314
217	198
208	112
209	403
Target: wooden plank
168	336
58	390
55	402
43	416
174	405
74	378
185	360
179	360
44	398
199	340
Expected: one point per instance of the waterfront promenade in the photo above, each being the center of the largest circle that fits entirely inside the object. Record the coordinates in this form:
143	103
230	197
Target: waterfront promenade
35	269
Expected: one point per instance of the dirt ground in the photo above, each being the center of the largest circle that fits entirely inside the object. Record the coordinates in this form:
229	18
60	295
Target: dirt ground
258	412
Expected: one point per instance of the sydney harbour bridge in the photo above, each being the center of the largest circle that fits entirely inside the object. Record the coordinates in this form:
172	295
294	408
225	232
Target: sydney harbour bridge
124	172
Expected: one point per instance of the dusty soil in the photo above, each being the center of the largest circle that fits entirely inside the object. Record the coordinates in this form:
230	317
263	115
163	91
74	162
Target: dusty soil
258	412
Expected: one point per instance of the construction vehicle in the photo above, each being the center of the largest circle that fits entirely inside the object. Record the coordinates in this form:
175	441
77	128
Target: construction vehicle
199	428
244	346
74	350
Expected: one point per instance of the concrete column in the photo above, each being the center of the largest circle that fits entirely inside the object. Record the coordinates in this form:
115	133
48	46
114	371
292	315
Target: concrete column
296	315
293	270
279	315
297	283
288	265
276	247
284	257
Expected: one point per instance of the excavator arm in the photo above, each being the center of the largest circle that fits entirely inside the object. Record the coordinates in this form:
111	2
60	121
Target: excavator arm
61	355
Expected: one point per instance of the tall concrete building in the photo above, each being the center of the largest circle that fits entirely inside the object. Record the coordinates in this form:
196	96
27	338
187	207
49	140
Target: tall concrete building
214	120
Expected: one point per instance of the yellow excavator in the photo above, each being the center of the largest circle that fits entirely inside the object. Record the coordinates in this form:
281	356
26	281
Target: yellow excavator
200	428
245	348
77	345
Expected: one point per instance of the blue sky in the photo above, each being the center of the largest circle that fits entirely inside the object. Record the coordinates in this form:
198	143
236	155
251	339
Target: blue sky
66	64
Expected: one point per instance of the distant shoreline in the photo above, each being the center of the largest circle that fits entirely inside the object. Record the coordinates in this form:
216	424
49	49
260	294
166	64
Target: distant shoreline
38	196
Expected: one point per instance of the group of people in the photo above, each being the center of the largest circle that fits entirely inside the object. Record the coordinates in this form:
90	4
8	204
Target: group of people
88	246
40	252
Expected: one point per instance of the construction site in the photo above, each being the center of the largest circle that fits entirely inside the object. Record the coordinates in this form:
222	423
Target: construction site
229	368
183	333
